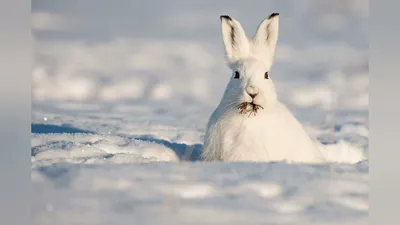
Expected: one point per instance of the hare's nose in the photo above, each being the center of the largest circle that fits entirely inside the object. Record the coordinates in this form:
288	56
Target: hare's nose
253	95
252	91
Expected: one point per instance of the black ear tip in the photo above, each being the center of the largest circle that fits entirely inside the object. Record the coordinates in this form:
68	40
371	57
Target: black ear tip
225	17
273	15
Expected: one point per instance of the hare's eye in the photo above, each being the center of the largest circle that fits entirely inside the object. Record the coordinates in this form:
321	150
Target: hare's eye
237	75
266	75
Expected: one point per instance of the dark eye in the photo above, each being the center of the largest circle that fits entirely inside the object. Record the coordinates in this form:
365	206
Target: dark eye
266	76
237	75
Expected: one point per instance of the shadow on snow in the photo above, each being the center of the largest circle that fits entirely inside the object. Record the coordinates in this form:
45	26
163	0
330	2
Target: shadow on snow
185	152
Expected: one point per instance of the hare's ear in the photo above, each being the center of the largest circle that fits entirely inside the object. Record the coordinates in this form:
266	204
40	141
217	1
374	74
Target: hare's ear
235	39
265	40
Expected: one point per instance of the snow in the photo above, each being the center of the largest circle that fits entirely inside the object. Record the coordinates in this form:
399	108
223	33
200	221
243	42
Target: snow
201	193
121	98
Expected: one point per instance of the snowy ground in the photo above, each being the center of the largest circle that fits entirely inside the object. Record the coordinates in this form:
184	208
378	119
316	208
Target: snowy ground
121	94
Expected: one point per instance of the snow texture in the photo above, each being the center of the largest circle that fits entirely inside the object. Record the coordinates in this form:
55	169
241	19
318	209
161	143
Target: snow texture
122	91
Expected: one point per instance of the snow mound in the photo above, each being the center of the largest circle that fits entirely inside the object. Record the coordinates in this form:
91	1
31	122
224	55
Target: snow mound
96	149
83	148
343	152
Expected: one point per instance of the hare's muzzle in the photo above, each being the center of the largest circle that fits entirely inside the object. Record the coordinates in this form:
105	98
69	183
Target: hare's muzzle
252	91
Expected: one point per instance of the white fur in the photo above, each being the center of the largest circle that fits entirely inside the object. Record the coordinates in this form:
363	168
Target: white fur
274	134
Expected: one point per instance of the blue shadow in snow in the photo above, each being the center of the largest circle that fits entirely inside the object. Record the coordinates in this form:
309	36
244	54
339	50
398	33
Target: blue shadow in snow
56	129
185	152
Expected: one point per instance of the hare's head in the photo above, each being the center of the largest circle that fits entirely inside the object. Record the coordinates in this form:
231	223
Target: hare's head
250	61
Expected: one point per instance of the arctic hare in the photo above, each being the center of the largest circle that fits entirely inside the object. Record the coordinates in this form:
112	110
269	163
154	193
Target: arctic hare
250	124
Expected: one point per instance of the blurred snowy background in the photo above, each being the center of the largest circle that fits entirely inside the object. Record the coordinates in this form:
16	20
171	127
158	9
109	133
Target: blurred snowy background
135	81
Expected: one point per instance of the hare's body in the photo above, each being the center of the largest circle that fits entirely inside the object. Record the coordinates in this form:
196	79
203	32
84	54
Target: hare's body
263	129
236	137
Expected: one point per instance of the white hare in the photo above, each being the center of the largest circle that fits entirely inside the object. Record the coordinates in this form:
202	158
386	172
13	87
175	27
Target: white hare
250	124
